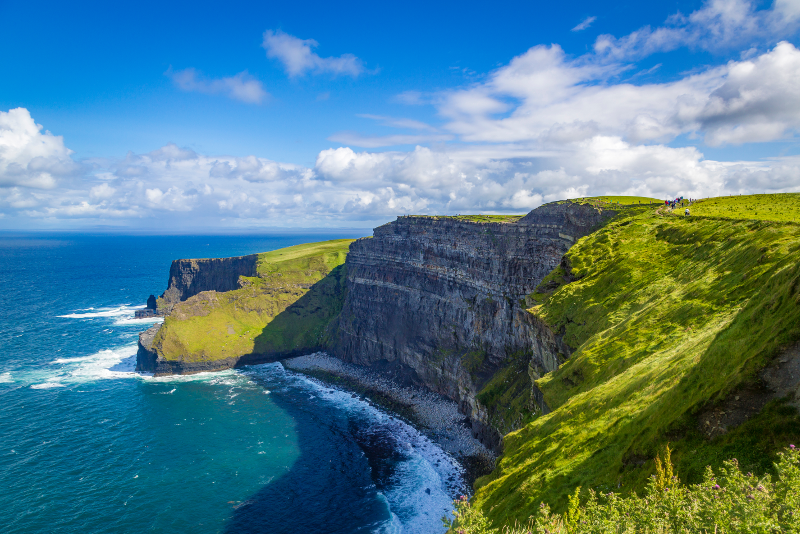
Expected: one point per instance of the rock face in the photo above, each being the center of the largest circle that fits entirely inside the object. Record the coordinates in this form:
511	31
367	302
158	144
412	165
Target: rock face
445	298
190	277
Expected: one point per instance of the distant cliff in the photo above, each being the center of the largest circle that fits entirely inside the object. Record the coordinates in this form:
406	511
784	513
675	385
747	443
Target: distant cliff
190	277
444	298
222	313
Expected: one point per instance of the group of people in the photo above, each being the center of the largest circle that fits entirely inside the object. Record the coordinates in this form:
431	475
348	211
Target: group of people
678	201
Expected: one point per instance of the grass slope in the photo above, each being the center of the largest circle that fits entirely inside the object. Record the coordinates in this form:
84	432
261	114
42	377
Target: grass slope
286	307
667	315
779	207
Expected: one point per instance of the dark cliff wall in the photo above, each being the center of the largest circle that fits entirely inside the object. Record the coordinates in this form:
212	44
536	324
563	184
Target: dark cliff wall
189	277
444	298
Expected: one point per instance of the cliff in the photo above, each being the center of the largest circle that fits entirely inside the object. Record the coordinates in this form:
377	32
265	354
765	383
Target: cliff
281	306
187	278
444	297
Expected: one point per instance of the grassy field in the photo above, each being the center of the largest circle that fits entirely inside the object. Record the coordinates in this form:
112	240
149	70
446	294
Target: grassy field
286	307
622	200
667	315
478	218
779	207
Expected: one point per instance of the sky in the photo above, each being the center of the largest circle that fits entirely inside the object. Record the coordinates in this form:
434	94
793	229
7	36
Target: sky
250	116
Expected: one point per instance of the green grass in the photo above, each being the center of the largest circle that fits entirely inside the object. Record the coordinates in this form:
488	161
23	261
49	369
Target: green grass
476	218
622	200
286	308
667	315
778	207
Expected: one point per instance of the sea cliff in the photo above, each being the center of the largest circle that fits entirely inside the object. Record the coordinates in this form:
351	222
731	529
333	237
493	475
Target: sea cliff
445	298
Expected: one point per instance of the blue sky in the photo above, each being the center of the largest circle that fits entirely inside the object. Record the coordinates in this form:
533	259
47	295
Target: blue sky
264	115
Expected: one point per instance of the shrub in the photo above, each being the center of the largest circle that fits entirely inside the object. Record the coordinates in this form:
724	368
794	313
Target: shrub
728	502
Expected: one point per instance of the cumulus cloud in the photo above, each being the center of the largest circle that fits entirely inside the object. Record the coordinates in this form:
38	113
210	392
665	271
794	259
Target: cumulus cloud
298	58
242	87
28	157
585	23
178	188
545	97
718	25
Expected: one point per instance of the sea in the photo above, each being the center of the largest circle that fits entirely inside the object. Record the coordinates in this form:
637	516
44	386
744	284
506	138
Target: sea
89	446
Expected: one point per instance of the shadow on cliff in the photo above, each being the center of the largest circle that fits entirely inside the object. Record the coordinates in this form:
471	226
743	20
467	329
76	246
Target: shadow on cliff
305	325
328	488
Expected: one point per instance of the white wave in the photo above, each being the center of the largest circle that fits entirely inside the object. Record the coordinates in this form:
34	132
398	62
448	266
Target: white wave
114	363
47	385
119	311
6	378
126	321
425	482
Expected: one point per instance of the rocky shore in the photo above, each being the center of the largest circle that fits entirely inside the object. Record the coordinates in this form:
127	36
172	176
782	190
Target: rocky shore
433	414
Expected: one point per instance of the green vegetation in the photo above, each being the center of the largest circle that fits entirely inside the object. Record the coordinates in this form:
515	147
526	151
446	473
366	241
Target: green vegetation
488	218
622	200
476	218
507	396
725	503
287	307
780	207
666	316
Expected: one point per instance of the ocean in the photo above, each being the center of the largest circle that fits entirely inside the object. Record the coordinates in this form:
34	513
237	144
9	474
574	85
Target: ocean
89	446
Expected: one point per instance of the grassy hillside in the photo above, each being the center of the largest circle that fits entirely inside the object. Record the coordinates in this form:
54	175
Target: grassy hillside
780	207
297	292
666	315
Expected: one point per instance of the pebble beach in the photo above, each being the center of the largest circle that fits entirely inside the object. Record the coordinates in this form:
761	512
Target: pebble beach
433	414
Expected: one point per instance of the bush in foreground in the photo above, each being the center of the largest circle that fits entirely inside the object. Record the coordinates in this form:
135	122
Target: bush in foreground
725	503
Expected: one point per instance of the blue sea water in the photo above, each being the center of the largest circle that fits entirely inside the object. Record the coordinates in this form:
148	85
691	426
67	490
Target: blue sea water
87	445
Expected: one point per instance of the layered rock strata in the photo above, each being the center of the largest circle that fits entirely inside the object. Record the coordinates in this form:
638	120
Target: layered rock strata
190	277
444	298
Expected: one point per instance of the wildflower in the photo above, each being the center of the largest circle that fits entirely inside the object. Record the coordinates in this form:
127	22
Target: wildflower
791	446
716	486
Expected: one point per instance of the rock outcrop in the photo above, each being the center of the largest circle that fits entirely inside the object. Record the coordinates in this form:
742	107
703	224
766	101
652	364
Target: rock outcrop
190	277
445	298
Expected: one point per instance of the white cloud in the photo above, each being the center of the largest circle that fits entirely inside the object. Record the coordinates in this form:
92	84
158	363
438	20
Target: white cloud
546	98
242	87
297	56
585	23
178	188
718	25
28	157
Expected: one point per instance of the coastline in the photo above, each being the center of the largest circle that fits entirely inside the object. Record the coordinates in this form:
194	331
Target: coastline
435	416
